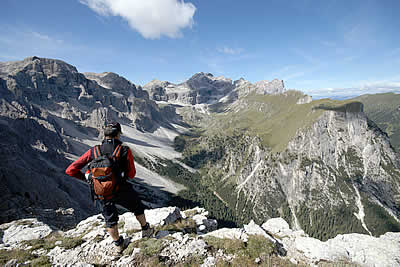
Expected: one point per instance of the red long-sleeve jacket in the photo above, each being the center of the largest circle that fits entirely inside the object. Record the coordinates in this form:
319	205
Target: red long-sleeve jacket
74	169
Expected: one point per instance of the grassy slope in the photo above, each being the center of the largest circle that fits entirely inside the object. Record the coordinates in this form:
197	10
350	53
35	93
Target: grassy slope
383	109
274	118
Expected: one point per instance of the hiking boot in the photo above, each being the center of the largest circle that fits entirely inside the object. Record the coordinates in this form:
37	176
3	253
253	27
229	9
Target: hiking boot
147	231
120	244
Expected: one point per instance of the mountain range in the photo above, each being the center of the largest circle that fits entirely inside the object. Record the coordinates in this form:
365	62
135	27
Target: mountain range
244	151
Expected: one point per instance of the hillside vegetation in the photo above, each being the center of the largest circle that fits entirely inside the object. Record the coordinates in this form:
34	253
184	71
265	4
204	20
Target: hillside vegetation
244	159
274	118
384	110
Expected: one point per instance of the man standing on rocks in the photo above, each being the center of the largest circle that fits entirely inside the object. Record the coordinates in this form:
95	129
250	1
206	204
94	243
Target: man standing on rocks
121	162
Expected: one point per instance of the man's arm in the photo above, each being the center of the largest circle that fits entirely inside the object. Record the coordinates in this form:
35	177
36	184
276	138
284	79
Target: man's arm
131	165
74	169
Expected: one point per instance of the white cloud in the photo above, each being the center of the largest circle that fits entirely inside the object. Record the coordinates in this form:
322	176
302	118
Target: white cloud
45	37
151	18
361	89
230	51
328	43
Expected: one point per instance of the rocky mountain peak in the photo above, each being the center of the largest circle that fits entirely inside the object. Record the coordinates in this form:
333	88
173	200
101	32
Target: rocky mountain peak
274	87
33	64
206	81
205	88
119	84
155	83
241	82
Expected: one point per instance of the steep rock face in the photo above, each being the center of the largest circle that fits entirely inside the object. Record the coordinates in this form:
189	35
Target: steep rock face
340	172
59	88
204	88
50	112
274	87
200	88
117	83
32	168
157	89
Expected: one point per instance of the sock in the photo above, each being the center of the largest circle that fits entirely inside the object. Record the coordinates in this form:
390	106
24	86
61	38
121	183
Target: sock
119	241
146	226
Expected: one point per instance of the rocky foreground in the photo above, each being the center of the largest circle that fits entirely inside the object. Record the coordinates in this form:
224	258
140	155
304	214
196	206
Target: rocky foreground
188	238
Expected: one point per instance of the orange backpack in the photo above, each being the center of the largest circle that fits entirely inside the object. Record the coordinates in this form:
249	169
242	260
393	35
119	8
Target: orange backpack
105	173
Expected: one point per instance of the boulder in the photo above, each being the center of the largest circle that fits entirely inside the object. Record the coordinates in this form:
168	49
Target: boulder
22	230
230	233
160	216
275	226
254	229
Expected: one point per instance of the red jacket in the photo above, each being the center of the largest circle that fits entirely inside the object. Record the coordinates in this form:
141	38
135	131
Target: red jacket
74	169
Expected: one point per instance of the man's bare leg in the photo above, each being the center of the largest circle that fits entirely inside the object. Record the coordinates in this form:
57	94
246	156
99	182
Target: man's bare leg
142	219
113	231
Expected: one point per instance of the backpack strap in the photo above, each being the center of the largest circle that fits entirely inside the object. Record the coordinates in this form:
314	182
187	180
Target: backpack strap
117	151
96	151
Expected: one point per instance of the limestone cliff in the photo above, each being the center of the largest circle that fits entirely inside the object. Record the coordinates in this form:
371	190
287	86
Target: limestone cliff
49	114
336	174
204	88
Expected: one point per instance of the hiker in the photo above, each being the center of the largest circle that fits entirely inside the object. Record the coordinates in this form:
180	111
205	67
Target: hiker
118	191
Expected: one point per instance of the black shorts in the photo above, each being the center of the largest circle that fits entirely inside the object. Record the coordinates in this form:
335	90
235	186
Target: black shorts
126	197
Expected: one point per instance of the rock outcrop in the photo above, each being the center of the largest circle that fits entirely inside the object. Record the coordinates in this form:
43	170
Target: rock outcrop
49	113
338	174
178	240
204	88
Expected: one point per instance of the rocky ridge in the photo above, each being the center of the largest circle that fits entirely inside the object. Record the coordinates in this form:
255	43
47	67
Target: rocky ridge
49	113
204	88
57	88
188	237
336	174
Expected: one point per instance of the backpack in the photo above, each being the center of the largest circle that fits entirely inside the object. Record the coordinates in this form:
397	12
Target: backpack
105	173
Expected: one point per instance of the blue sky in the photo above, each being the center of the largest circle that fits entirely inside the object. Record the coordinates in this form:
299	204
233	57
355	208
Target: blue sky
325	48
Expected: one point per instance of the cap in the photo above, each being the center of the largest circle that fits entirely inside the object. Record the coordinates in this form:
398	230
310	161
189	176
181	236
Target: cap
112	129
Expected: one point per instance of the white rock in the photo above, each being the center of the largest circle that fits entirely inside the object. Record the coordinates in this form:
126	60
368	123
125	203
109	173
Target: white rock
178	236
315	250
87	225
209	261
163	216
130	222
10	263
25	229
275	225
254	229
95	233
194	247
230	233
199	219
204	224
304	100
195	211
160	216
368	250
